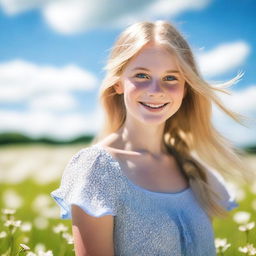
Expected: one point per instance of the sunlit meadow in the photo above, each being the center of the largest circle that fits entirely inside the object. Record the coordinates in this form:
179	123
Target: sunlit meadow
30	223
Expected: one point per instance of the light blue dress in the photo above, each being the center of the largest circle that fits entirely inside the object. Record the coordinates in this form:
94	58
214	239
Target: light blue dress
145	222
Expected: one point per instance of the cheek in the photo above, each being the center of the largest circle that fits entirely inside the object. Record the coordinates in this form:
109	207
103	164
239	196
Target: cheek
132	88
130	92
176	91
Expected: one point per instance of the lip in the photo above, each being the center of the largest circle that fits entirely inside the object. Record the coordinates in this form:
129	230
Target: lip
154	103
154	109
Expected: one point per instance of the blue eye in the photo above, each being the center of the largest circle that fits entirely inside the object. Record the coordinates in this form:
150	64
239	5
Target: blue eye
170	78
141	75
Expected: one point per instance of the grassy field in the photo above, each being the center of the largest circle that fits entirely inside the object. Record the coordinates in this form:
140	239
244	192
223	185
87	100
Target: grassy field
29	173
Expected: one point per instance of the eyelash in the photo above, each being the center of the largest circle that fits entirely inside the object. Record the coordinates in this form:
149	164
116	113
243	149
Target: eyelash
148	76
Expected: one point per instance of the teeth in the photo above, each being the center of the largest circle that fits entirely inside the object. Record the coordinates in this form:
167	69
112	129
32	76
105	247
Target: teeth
153	105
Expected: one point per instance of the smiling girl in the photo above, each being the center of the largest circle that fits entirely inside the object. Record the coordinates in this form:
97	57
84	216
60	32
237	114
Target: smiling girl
150	183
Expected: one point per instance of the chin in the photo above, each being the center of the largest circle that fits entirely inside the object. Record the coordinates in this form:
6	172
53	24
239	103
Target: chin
153	121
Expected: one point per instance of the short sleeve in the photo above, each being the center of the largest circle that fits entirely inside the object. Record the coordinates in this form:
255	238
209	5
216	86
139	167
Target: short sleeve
86	183
220	186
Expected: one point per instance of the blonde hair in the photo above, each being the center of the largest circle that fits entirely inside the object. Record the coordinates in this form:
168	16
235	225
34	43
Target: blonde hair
189	133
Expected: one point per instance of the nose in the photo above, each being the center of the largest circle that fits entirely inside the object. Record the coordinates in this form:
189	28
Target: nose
155	89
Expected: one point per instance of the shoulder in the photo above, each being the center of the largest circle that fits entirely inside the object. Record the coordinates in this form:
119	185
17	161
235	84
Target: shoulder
88	155
87	161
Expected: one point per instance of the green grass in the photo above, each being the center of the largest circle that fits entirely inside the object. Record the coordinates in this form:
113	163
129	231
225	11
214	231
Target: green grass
227	228
28	190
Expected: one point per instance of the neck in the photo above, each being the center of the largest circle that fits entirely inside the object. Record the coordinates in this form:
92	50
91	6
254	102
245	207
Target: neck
142	138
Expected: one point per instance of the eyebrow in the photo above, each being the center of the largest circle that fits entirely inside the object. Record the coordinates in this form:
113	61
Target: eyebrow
168	71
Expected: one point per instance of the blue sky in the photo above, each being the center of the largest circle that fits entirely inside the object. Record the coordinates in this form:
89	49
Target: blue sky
52	56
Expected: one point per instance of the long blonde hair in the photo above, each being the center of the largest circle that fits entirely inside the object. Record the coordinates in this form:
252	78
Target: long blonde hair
189	132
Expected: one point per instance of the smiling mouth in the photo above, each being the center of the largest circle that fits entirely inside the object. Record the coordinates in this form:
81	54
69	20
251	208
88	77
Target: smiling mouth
153	106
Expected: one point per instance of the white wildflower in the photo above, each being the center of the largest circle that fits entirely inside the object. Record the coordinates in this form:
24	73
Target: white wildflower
12	223
24	247
42	253
247	227
40	247
221	245
8	211
68	237
12	199
50	212
25	239
31	254
41	222
3	234
241	217
41	201
26	226
60	228
249	249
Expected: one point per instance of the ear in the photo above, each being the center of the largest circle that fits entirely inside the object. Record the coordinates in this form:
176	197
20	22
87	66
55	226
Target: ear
118	88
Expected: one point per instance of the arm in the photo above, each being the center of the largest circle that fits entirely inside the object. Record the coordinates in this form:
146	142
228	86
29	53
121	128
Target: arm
93	236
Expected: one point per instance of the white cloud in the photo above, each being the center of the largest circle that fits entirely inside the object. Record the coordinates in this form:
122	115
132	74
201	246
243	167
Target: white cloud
21	80
53	102
37	123
160	9
46	92
12	7
68	17
176	7
223	58
73	16
243	102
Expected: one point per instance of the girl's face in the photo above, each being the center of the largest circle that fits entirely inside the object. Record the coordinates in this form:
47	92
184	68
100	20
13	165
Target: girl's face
152	86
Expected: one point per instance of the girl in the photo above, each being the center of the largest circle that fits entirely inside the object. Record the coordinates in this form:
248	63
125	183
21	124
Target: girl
149	183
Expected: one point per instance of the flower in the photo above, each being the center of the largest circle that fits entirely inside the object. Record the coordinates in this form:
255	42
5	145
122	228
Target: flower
249	249
241	217
24	247
68	238
3	234
221	244
12	199
8	211
40	202
25	239
42	253
247	227
39	247
41	222
60	228
26	226
12	223
31	254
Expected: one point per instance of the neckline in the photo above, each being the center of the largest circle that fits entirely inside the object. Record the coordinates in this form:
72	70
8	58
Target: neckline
183	191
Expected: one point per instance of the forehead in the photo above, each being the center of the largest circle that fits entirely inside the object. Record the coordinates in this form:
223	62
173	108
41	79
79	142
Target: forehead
153	57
